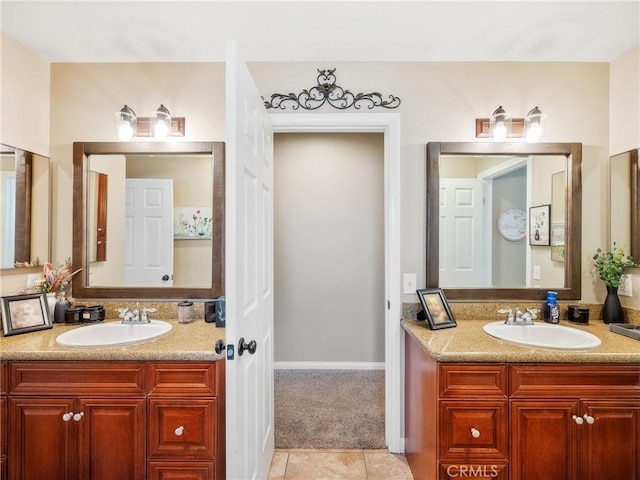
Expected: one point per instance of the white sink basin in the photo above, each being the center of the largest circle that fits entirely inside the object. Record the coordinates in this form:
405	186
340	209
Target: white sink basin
543	335
112	334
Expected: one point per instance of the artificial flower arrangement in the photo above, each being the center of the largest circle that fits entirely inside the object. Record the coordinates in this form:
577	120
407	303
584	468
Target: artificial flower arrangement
610	265
54	278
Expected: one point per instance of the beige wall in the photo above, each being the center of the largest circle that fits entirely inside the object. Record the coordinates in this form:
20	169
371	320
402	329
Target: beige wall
624	103
329	247
439	103
24	98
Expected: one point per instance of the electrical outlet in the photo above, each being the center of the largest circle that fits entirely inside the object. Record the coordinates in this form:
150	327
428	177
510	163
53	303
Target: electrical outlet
409	282
626	283
536	272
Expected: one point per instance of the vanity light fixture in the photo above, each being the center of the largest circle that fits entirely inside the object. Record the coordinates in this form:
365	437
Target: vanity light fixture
126	123
500	124
161	122
534	125
159	125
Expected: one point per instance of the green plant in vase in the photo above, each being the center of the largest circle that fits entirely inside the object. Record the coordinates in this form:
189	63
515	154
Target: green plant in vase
610	267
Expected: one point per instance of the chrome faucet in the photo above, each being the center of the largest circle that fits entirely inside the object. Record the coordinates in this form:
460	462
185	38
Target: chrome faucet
135	316
521	318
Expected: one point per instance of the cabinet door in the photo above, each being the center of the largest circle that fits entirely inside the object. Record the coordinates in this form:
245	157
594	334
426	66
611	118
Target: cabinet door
473	430
182	428
41	440
111	438
544	440
610	446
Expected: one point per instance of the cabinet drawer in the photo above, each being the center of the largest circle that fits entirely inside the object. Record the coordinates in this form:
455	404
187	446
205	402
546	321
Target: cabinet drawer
457	471
472	380
182	379
181	471
77	378
473	430
182	428
571	381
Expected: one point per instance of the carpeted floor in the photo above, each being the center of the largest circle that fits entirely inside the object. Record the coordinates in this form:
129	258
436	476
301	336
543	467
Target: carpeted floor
329	409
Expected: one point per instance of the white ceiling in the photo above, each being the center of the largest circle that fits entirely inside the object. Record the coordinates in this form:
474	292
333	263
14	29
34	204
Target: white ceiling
186	31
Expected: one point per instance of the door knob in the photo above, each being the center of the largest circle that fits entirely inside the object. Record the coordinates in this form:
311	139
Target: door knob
250	347
220	347
165	278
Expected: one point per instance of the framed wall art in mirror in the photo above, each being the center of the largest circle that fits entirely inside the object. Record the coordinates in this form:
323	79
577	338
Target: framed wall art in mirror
468	186
147	183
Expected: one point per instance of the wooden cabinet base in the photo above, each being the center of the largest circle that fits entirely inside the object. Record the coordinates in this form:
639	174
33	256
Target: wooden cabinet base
520	421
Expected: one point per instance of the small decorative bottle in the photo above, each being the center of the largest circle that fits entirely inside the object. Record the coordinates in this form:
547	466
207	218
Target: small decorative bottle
60	311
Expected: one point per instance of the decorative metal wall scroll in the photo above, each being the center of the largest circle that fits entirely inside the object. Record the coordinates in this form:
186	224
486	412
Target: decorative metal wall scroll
328	92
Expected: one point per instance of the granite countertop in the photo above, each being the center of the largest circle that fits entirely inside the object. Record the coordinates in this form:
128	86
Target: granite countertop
469	343
186	341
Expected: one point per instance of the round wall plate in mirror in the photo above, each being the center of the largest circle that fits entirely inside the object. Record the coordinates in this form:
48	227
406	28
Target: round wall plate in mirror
512	224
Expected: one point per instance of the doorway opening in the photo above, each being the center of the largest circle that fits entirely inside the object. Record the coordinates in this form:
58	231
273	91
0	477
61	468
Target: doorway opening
389	125
329	290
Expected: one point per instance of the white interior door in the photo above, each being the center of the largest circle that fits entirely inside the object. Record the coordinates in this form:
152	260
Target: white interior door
148	229
249	275
461	236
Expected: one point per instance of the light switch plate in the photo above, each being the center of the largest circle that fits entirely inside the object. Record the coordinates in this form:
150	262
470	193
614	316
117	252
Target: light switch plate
536	272
626	282
409	283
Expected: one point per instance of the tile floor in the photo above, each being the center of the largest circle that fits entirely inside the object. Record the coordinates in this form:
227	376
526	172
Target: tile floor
311	464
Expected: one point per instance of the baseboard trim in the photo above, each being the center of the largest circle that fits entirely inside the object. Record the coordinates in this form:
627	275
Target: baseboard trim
328	365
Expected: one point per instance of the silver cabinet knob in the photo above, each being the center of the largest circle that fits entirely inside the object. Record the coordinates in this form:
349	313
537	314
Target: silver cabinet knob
179	431
475	433
67	416
578	419
78	416
590	420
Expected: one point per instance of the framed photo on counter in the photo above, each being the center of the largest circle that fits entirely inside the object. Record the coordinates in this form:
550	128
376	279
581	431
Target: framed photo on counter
436	309
25	313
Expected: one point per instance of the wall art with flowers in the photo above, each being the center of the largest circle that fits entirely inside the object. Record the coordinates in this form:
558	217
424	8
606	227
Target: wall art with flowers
192	222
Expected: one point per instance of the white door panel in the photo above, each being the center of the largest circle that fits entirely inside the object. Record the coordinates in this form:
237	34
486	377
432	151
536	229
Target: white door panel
148	232
249	275
461	236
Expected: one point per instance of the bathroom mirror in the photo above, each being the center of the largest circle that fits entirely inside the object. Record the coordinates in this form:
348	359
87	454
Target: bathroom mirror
540	162
624	201
164	219
25	207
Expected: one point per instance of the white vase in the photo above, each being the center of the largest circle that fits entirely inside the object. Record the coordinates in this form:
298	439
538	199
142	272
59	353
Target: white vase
51	301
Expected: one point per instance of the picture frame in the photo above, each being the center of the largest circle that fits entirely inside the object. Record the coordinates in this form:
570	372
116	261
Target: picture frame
540	225
25	313
436	308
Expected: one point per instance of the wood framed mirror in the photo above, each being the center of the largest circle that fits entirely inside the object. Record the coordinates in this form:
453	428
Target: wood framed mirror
513	155
624	201
191	176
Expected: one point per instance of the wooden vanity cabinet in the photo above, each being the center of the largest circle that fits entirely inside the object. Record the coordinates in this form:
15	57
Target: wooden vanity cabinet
584	420
520	421
456	418
4	418
76	420
115	420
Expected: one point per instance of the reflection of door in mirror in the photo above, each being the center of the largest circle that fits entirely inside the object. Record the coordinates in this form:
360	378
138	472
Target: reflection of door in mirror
7	207
192	190
98	216
24	208
477	247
